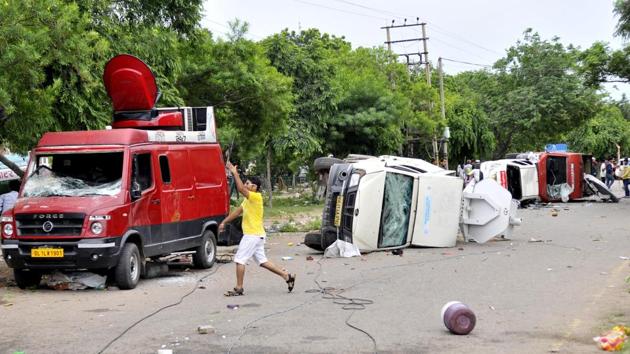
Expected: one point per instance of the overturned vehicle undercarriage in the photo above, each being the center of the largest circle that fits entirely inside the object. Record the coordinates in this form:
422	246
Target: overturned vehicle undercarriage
389	202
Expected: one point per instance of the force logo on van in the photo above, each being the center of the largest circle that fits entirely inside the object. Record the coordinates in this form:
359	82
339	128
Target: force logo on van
47	216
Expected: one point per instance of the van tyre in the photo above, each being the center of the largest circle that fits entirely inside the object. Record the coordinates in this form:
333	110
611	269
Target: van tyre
314	240
27	278
206	254
324	163
129	267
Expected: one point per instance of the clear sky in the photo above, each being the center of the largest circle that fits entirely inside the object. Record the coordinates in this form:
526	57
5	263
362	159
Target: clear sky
474	31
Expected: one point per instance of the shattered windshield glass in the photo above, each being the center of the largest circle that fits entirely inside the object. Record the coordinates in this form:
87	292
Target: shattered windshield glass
75	175
396	210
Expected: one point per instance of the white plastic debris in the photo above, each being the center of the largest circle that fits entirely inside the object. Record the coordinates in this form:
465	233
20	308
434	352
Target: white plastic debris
341	248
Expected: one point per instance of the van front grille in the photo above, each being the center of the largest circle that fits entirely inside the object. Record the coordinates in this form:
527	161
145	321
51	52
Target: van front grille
50	224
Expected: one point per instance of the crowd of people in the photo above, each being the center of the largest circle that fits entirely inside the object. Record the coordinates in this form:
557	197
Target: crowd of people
610	170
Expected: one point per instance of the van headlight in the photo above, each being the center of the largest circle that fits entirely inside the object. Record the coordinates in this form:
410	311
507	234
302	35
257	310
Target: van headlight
96	228
356	176
8	230
354	180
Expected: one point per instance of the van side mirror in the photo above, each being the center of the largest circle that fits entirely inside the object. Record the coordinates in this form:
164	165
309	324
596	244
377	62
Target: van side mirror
136	193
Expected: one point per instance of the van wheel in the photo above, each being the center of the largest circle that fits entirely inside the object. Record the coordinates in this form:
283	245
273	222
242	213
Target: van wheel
324	163
25	278
313	240
129	267
206	253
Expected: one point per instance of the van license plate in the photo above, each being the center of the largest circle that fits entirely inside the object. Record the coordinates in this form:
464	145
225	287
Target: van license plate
47	252
338	208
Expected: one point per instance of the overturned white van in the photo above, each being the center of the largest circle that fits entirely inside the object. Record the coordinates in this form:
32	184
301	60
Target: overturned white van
391	202
518	176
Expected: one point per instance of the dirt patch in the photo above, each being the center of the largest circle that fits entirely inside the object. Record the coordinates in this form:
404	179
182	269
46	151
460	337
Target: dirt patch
302	218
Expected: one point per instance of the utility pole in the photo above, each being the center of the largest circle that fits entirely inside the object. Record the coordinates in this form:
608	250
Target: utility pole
443	109
421	55
423	58
427	66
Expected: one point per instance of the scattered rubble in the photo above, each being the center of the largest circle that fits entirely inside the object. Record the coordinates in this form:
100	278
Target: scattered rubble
205	329
75	281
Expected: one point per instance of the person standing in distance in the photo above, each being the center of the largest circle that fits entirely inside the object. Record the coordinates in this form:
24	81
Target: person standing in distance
626	178
253	242
7	200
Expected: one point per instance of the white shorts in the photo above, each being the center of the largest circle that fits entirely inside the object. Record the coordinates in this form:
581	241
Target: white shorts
251	246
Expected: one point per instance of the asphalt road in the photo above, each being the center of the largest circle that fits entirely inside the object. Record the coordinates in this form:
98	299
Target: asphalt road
529	297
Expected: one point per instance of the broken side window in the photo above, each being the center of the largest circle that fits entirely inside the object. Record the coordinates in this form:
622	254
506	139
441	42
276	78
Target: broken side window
396	210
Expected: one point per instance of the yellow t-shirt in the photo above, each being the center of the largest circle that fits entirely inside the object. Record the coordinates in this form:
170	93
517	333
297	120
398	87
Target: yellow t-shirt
253	215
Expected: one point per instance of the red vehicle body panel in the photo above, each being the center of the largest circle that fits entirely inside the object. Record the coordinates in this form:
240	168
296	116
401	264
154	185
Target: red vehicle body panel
171	120
571	173
80	139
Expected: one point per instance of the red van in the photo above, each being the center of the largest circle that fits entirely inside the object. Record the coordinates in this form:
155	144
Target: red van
559	168
111	199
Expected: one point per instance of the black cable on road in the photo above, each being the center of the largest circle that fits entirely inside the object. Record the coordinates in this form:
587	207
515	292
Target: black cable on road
348	303
216	268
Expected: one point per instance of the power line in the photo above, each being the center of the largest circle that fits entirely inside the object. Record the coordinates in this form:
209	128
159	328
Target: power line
456	47
371	8
340	10
445	32
438	28
468	63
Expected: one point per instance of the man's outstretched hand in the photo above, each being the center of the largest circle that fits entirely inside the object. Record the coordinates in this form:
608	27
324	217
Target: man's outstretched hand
231	168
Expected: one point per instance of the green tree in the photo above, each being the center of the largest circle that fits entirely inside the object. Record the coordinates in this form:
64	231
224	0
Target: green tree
624	106
183	17
251	99
622	9
538	95
600	134
306	58
48	80
471	135
600	63
369	113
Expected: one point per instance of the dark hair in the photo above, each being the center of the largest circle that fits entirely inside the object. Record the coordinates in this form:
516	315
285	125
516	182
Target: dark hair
14	185
255	180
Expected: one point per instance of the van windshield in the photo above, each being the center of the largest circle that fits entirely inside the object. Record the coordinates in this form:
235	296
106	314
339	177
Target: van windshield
396	210
74	175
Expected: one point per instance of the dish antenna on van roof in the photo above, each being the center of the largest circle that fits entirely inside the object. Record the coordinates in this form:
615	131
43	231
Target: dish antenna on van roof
132	87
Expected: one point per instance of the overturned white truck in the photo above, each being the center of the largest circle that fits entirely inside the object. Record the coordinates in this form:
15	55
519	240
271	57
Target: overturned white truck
389	202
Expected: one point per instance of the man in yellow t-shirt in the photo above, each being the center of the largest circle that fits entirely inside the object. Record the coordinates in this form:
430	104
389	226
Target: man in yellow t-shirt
253	242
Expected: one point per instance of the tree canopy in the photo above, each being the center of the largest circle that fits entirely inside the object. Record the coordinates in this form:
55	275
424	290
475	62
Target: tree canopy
297	95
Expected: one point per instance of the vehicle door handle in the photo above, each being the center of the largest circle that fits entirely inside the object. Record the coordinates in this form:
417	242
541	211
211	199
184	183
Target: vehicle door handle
191	197
356	212
155	201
